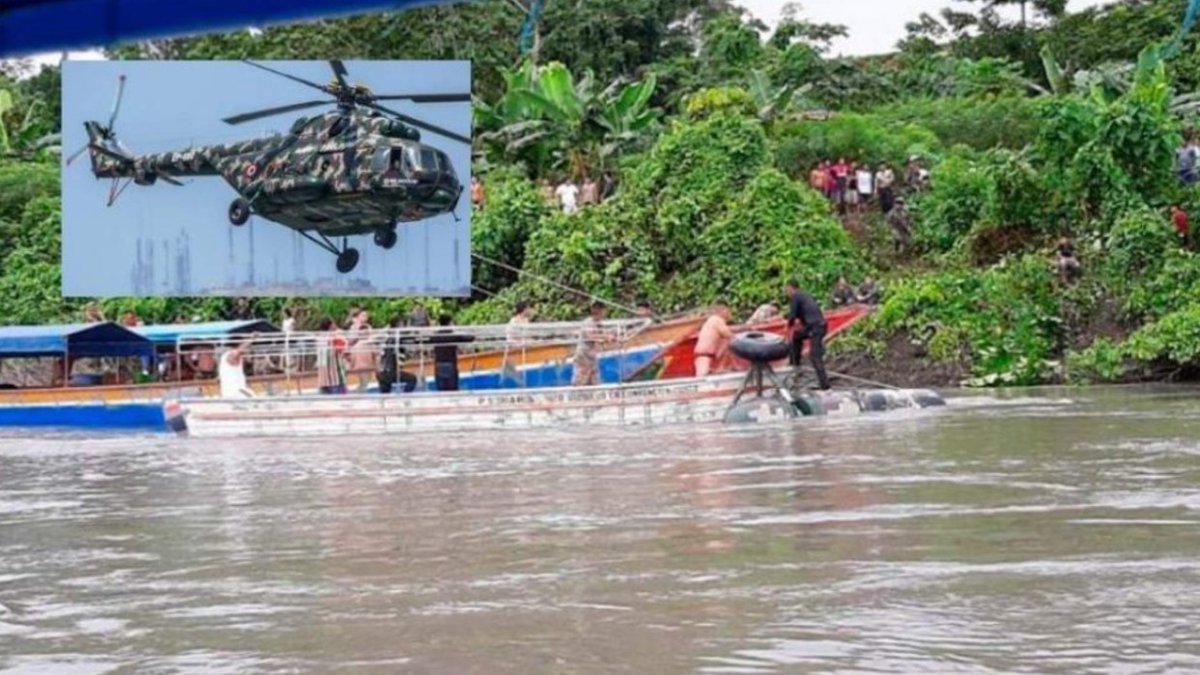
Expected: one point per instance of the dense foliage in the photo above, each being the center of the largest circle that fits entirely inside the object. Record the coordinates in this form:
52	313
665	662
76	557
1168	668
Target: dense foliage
1054	125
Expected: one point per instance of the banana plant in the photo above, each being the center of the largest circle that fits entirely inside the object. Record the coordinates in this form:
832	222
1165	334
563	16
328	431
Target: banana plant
6	104
25	140
553	121
1110	80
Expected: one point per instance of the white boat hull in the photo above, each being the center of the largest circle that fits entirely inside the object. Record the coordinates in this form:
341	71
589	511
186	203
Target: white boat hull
638	404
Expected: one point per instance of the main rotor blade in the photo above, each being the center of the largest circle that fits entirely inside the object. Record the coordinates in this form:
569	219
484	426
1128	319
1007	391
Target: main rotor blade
293	78
425	98
422	125
112	118
339	69
246	117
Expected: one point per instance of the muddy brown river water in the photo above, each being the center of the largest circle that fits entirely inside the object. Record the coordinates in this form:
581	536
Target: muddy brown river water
1055	531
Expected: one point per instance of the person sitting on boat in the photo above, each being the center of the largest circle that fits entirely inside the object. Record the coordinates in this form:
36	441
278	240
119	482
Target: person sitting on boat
843	293
203	362
712	345
807	321
232	371
331	377
587	352
391	361
764	314
644	310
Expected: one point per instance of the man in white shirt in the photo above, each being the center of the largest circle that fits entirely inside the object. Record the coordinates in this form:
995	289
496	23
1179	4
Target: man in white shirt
231	372
885	182
866	186
568	196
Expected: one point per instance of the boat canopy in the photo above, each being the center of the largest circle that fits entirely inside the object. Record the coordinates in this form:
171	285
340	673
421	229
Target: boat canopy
171	334
105	339
492	336
32	26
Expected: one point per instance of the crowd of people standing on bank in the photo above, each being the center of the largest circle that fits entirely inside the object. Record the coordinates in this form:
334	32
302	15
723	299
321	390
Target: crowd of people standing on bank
564	193
855	187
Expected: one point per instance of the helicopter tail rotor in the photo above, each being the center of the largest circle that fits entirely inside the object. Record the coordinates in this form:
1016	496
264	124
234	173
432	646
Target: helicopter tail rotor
101	135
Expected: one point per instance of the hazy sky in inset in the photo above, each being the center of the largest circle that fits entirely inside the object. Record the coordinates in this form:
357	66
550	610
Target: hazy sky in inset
167	240
875	25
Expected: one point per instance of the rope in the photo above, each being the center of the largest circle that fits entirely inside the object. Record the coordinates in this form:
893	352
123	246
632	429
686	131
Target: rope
1189	22
862	380
525	38
555	284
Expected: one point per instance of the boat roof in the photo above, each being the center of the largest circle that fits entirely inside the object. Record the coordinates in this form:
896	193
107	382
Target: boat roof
78	339
170	334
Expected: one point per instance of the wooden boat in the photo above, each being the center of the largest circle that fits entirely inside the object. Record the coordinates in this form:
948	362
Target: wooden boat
678	359
104	403
673	396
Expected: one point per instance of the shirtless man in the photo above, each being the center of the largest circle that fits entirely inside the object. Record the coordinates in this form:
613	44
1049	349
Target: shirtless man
713	341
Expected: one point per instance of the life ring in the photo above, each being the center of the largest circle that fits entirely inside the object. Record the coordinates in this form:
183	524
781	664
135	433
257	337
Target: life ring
251	170
760	347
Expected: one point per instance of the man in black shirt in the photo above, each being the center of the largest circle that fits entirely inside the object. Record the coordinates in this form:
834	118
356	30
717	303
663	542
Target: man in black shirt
445	354
806	313
391	357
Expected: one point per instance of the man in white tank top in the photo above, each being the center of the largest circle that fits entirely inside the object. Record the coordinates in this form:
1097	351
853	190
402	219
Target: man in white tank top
232	372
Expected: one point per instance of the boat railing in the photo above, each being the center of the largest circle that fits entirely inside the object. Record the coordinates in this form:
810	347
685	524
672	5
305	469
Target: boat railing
294	354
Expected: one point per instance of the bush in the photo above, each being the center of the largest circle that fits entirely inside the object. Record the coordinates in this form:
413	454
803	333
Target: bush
1004	318
961	196
982	124
863	138
499	231
775	231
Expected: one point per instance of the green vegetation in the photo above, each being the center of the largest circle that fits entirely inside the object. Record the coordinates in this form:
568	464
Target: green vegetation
1056	125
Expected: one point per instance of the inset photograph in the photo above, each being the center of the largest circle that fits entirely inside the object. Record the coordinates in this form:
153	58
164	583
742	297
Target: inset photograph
266	178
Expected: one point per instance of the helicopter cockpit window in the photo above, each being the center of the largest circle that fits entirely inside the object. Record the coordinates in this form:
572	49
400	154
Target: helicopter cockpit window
445	162
412	160
429	159
381	161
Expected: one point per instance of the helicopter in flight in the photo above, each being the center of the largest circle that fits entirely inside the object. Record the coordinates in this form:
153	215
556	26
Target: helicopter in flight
358	169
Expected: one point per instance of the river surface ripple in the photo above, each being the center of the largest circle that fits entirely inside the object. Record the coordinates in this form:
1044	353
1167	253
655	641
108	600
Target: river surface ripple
1049	532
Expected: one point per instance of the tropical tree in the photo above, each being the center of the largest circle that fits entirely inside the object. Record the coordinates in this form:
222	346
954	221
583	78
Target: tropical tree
551	121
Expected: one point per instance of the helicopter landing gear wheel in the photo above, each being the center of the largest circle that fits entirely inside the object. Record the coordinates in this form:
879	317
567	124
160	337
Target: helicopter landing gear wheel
239	211
347	260
385	237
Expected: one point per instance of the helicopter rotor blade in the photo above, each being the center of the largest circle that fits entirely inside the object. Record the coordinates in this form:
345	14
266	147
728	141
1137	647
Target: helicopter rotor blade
425	98
339	70
112	117
422	125
267	112
75	155
293	78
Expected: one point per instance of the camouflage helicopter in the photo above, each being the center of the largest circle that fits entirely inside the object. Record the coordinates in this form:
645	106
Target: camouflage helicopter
360	169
